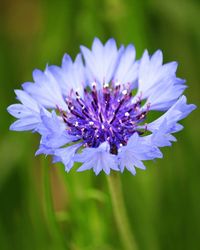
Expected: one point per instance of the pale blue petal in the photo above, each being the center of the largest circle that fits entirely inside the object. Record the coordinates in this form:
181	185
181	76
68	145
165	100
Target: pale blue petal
66	155
26	100
127	69
25	124
28	113
20	111
99	159
101	61
176	113
137	149
152	72
54	133
161	137
45	90
43	149
165	94
70	75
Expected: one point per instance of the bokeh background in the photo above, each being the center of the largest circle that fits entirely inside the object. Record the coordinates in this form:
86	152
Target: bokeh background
163	202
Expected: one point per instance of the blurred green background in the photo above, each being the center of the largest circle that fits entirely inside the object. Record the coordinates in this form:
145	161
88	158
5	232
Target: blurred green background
163	202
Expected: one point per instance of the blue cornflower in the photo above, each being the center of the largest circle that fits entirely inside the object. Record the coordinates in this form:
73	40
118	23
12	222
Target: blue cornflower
86	111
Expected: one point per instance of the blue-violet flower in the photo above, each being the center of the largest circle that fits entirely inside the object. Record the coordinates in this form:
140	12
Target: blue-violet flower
96	109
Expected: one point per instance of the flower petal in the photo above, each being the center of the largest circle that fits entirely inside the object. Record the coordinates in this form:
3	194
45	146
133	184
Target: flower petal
101	61
45	90
53	131
136	150
152	73
97	159
166	94
28	113
66	155
176	113
127	69
70	75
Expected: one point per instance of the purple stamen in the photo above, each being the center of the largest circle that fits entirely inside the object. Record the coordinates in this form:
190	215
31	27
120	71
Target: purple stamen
104	115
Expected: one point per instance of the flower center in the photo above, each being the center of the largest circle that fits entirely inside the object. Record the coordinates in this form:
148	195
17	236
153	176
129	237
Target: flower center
108	114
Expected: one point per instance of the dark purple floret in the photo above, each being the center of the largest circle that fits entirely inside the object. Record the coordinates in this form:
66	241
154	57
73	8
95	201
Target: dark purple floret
108	114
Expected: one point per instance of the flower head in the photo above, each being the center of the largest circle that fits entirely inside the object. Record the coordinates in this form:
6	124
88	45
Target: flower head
86	111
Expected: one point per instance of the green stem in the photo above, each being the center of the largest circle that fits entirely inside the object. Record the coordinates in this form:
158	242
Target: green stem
127	237
49	208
